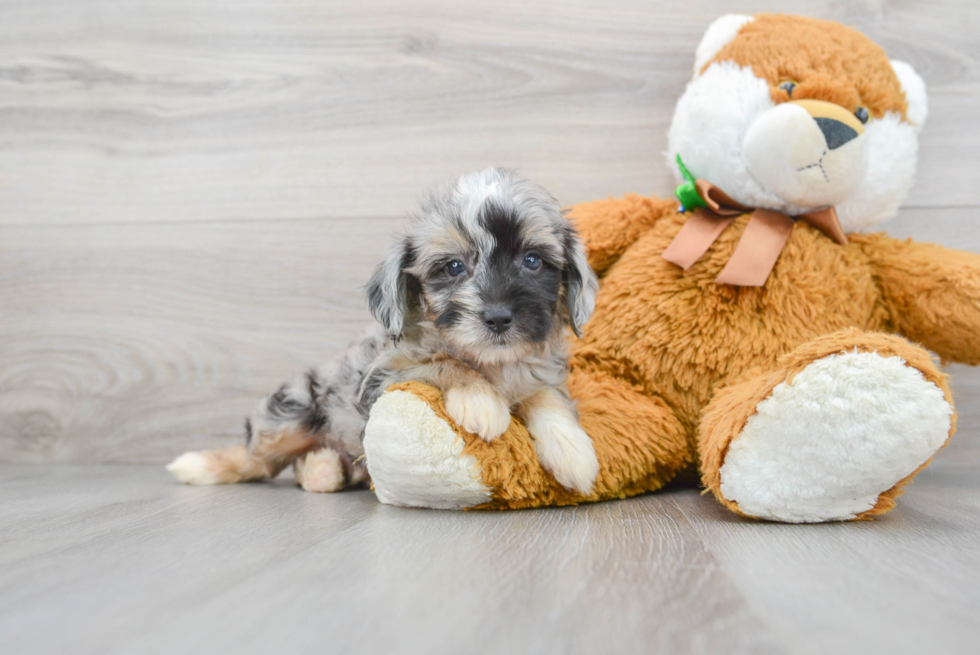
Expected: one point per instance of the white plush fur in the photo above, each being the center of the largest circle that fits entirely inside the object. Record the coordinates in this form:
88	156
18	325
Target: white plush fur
710	122
719	107
823	447
718	34
892	147
915	93
416	460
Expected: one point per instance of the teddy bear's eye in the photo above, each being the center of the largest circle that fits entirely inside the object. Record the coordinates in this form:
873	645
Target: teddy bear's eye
788	87
862	114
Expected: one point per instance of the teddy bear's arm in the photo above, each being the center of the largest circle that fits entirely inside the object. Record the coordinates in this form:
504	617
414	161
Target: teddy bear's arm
932	294
608	227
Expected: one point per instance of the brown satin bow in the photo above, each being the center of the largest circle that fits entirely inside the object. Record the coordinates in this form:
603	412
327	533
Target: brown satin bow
760	245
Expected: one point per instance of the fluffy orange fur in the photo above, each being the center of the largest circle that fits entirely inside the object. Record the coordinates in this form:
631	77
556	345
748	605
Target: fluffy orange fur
827	61
672	365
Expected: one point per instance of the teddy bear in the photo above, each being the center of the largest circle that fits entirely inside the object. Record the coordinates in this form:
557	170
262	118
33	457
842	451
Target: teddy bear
755	331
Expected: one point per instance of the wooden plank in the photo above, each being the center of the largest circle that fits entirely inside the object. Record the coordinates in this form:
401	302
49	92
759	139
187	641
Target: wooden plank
129	343
177	110
119	559
134	563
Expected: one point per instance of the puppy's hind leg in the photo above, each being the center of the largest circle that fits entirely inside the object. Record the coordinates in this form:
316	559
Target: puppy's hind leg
321	471
285	426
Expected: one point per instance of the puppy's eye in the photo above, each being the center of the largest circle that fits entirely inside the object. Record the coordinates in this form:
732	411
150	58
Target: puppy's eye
788	87
532	262
455	268
862	114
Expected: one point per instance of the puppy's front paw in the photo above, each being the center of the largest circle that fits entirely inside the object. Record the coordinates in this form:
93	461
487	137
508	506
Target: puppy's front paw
565	450
480	411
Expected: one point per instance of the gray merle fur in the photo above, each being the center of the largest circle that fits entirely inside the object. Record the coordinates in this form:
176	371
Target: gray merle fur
489	221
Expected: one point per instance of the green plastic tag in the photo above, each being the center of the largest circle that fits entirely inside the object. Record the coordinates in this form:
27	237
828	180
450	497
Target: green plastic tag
687	193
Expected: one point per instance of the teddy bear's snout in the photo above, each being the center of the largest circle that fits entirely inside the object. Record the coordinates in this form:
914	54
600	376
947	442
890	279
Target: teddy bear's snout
809	153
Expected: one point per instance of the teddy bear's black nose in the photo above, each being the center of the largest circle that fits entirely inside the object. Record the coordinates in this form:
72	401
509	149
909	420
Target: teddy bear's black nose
835	132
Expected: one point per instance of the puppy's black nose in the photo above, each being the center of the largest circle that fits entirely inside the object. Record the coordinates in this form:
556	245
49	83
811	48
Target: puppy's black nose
836	133
498	319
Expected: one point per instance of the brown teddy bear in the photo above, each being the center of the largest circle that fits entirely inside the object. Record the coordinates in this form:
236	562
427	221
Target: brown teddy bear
751	333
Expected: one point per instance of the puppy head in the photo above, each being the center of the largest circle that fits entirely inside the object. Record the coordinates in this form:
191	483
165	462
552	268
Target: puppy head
795	114
492	263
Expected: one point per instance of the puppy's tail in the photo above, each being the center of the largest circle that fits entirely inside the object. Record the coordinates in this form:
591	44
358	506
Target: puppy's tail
266	456
221	466
285	426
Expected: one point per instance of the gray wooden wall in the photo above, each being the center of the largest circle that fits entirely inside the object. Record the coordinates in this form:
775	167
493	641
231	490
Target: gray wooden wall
193	191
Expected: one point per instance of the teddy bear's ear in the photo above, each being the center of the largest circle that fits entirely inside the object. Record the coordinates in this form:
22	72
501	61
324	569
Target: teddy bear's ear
915	93
718	35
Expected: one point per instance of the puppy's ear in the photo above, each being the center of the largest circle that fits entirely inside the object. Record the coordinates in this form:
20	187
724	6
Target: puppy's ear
581	284
392	291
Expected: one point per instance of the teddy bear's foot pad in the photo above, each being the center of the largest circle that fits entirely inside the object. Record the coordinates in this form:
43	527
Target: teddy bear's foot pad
415	459
826	444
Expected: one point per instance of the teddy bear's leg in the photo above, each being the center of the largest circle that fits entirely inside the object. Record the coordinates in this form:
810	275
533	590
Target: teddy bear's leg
415	452
417	456
832	434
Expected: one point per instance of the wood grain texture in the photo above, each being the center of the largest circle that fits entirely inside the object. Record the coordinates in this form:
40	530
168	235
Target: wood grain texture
128	343
906	583
193	193
182	110
119	559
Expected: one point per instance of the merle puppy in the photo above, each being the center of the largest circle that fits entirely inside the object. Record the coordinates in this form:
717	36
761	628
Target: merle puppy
474	299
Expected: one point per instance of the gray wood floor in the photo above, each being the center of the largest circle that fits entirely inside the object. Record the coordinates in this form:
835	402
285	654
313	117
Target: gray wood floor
192	193
118	559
